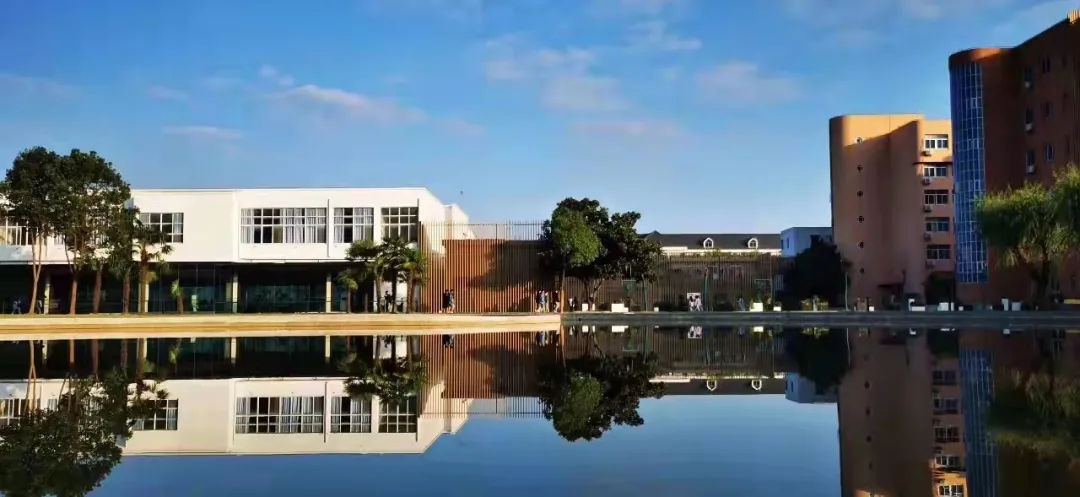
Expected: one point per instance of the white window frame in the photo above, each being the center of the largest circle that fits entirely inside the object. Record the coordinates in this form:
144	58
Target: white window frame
946	405
934	197
348	415
12	409
936	142
947	490
396	418
752	244
281	415
938	252
933	224
353	224
166	416
935	171
289	225
172	227
402	222
942	434
708	243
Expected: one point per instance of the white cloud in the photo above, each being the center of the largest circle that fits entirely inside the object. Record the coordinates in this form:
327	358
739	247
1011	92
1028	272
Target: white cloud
165	93
507	59
740	82
629	128
205	132
29	86
463	128
671	74
583	94
351	104
655	35
1031	21
271	73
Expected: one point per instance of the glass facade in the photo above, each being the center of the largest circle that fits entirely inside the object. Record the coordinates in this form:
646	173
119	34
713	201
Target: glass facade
977	385
969	166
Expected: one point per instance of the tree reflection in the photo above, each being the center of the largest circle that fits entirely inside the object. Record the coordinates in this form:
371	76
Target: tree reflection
68	450
583	397
820	355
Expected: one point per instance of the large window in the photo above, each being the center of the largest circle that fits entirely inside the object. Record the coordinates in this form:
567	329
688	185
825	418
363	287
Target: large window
353	224
950	491
937	225
400	222
936	142
289	225
164	417
936	197
968	169
935	172
398	418
938	252
946	434
946	406
947	461
348	415
13	234
279	415
170	223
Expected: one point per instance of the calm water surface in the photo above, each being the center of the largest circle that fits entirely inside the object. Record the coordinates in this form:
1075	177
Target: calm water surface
765	412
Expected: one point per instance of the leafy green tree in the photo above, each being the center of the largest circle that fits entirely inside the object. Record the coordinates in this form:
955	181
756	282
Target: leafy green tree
392	380
396	252
1039	413
1023	228
369	263
120	246
574	245
92	189
623	252
1066	199
820	355
151	247
585	396
818	271
414	267
31	192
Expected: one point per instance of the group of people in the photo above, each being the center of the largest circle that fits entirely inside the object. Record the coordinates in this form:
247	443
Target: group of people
448	303
548	301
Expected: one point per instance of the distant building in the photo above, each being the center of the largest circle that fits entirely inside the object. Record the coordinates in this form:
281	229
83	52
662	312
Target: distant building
1014	114
689	243
801	390
795	240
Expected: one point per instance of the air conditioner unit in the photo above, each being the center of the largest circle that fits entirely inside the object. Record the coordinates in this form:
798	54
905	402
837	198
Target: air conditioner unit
927	181
926	153
1027	84
927	208
927	236
930	263
1028	127
1031	168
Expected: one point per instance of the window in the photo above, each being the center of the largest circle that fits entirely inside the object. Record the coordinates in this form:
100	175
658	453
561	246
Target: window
353	224
398	418
936	197
348	415
950	491
752	244
1029	78
164	417
1046	65
1048	109
708	243
169	223
938	252
944	378
400	222
1030	160
946	434
290	225
946	406
1049	150
947	461
935	172
937	225
1029	120
13	234
936	142
12	409
279	415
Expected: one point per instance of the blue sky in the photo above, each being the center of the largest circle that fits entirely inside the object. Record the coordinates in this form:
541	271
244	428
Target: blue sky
690	446
705	116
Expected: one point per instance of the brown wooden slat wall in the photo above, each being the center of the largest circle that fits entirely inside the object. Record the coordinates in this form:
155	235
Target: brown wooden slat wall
495	267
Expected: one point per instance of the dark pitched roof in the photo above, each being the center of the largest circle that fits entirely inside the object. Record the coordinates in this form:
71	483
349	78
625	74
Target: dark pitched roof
729	241
726	387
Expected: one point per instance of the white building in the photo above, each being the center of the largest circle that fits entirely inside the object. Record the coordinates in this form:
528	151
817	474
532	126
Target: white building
726	243
795	240
286	225
272	416
801	390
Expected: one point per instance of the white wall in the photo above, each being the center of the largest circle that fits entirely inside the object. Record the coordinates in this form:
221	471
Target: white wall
212	221
206	419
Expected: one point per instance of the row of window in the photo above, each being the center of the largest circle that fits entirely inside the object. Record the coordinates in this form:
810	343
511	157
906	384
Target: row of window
305	415
164	417
935	252
272	225
935	171
936	197
936	142
1047	112
1048	154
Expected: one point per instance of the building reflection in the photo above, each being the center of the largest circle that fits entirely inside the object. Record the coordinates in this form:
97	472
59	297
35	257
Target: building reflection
912	410
285	395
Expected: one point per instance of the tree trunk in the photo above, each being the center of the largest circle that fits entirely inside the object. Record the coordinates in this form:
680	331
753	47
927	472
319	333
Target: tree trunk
144	283
140	362
95	357
409	293
126	291
378	295
74	291
348	301
71	356
98	276
562	291
393	292
124	354
36	249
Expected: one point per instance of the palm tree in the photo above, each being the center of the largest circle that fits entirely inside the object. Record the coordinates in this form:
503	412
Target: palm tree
120	242
396	252
369	263
414	267
393	380
348	280
151	247
177	294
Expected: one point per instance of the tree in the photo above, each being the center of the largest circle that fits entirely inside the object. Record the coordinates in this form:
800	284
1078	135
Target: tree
414	266
1023	227
348	280
624	253
92	189
818	271
396	252
120	243
1038	413
392	380
820	355
151	247
1066	199
31	193
583	397
369	263
573	244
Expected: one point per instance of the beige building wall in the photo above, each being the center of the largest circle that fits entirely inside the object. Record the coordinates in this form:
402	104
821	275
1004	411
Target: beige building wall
879	168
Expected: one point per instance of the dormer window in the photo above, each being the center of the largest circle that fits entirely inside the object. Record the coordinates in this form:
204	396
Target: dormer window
752	244
708	243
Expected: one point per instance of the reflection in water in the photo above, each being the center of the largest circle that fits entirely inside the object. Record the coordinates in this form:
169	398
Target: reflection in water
920	412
